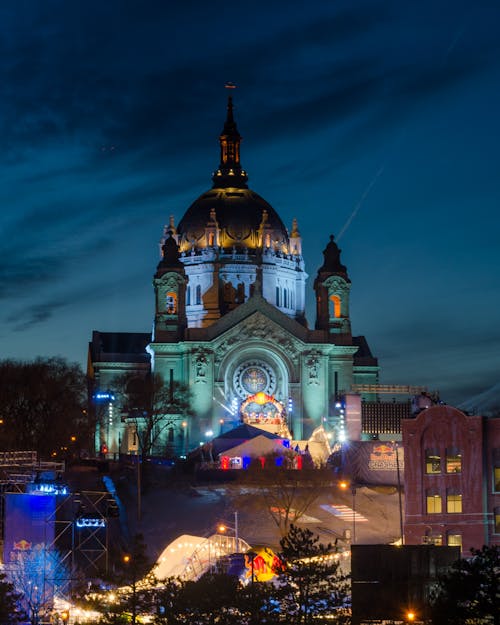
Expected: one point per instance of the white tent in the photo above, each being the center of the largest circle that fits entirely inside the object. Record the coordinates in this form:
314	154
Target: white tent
188	557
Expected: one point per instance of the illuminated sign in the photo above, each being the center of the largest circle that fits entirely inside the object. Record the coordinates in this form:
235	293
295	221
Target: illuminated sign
98	397
93	522
49	489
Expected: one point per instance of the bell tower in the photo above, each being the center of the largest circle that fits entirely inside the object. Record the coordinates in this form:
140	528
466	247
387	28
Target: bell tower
170	294
332	286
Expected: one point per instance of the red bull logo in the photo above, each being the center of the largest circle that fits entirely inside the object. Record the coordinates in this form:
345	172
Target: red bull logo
22	545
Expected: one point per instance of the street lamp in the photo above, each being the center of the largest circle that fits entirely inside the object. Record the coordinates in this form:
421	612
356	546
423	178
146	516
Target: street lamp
127	559
223	527
344	486
185	434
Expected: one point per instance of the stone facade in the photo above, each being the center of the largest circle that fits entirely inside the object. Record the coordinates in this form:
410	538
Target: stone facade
230	317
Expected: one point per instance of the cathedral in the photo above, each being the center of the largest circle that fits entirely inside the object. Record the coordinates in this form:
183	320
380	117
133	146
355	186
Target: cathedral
230	326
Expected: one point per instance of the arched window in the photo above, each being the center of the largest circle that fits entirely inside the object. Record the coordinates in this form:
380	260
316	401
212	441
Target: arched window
285	298
277	296
198	294
171	303
188	296
210	238
334	306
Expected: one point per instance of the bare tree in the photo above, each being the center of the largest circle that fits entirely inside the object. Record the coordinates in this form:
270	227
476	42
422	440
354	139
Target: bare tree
42	406
38	575
153	407
285	493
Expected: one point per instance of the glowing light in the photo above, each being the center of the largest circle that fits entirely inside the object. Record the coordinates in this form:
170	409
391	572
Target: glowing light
260	398
90	522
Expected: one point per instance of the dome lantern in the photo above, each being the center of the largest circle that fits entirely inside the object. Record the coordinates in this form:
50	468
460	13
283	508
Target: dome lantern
230	173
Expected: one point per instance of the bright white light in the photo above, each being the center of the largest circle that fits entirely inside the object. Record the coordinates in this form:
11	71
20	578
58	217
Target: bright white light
342	437
209	433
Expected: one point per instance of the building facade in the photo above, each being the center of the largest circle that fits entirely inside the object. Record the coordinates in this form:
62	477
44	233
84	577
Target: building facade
452	478
230	324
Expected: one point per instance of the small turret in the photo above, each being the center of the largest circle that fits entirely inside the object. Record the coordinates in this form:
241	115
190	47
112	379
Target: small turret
295	240
170	294
332	286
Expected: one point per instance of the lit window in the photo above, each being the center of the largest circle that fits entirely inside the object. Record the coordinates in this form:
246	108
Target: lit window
496	479
453	503
171	303
454	540
437	539
453	460
334	306
434	505
496	518
432	461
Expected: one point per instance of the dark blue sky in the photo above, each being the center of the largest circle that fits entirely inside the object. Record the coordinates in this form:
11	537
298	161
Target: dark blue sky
374	120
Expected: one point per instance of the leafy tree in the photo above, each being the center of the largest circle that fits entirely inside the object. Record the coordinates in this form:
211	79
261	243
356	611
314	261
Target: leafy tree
469	593
153	407
285	493
42	405
38	575
9	599
312	587
211	599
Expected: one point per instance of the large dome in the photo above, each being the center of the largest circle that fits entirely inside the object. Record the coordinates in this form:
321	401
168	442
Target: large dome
240	214
230	214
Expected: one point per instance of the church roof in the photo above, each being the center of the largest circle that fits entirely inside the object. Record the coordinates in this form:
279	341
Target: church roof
238	436
130	346
240	215
245	431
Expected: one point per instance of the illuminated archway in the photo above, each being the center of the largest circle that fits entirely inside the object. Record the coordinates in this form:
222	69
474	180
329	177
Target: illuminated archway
262	408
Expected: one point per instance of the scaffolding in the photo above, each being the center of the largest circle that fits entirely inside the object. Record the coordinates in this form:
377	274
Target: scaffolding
80	519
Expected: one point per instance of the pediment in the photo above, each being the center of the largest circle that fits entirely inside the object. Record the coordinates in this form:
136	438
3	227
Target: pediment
257	327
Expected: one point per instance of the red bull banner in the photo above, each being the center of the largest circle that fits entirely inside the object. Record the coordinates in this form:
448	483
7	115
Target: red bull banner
373	462
29	521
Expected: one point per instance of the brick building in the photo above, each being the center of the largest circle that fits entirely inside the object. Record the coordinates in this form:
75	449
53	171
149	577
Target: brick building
451	478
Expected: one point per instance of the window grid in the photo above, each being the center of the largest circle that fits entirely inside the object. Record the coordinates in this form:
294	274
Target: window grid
453	503
434	504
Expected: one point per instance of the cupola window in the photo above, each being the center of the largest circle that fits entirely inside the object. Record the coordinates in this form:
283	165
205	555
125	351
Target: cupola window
171	303
334	306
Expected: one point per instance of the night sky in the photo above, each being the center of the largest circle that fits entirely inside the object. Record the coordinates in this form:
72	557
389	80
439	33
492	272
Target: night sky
376	121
